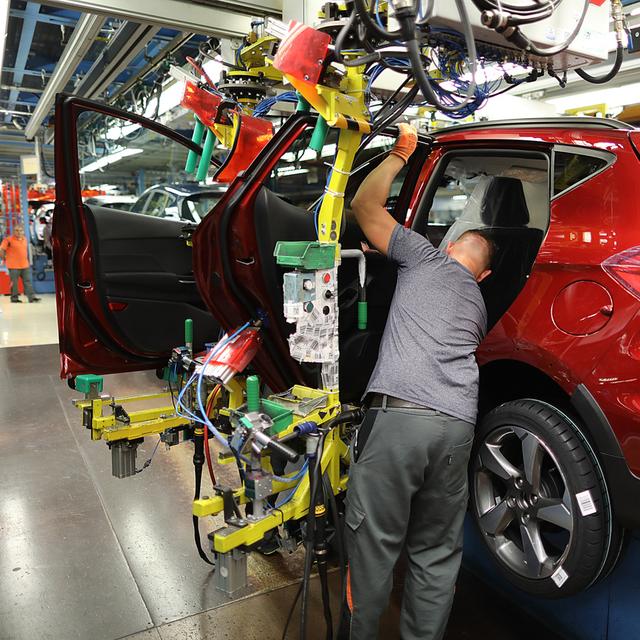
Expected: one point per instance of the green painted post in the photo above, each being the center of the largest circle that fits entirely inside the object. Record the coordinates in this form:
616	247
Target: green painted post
188	334
362	315
253	394
192	158
302	105
319	135
205	159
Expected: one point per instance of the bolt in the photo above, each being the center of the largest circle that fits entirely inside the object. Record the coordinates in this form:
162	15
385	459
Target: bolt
534	499
519	483
524	518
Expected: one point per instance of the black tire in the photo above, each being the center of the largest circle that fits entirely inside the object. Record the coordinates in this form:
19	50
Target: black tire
548	526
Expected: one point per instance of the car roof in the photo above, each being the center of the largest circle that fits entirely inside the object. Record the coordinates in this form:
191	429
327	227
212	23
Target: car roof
566	122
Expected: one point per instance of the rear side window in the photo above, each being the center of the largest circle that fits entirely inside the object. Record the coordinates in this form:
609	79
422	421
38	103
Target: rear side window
571	168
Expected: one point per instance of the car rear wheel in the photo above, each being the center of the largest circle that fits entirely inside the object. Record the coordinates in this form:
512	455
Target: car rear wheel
540	500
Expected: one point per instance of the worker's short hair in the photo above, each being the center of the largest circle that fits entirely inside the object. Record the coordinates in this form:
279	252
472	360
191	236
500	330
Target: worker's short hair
485	234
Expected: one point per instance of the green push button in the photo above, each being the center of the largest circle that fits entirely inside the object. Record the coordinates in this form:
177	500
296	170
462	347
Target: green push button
84	382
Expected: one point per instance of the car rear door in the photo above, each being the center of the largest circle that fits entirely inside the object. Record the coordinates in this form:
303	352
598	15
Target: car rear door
124	281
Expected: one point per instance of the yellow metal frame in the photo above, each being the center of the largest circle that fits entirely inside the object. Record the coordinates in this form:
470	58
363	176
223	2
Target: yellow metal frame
144	422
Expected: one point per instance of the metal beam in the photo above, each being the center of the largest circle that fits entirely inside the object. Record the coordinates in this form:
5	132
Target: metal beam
11	87
122	48
174	14
44	17
81	40
29	22
27	72
177	42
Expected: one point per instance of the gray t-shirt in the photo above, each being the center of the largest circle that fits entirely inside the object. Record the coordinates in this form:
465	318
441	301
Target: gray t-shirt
436	321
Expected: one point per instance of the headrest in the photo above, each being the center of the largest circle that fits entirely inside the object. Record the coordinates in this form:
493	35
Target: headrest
504	204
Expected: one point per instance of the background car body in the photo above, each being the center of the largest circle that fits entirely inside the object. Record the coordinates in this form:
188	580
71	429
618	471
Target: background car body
187	202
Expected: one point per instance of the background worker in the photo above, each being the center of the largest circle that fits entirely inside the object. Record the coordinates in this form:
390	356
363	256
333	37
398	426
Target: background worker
14	252
408	485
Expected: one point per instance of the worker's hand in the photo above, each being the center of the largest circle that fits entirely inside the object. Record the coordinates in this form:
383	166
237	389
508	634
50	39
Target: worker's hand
406	143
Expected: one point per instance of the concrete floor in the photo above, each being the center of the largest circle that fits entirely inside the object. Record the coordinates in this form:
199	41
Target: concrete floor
28	324
86	556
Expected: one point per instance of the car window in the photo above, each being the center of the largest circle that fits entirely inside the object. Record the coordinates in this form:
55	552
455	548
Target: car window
196	207
155	204
571	168
122	155
477	190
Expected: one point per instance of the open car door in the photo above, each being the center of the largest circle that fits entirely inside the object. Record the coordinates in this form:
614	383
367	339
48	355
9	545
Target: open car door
124	280
276	200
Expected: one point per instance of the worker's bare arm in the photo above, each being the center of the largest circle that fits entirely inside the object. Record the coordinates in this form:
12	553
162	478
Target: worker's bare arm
369	202
368	205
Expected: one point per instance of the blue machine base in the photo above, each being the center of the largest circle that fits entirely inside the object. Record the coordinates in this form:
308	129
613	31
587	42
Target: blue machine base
608	611
42	275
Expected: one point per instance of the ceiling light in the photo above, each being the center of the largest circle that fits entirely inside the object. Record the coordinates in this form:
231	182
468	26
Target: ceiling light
110	159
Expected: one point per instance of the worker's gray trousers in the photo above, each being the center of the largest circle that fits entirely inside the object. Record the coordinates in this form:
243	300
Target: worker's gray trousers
407	487
25	274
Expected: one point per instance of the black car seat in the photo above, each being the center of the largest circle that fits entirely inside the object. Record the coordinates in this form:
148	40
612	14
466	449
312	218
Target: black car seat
503	211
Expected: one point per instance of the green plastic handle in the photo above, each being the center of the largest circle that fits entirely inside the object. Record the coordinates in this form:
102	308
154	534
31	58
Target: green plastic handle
188	333
207	152
319	135
253	394
192	158
362	315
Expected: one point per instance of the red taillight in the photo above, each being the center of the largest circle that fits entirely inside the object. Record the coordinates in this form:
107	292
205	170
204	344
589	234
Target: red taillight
624	268
116	306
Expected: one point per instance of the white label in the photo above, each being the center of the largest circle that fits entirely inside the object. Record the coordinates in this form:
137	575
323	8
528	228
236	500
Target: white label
585	502
560	577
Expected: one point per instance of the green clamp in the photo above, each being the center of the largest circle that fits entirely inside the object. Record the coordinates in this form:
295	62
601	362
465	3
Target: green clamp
192	157
88	382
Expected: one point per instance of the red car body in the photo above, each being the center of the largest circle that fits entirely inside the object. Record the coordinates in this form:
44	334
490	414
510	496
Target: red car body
572	334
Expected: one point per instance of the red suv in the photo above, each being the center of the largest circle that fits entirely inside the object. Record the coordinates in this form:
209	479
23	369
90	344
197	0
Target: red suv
554	473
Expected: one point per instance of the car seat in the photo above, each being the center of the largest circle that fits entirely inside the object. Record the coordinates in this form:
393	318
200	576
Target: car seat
498	204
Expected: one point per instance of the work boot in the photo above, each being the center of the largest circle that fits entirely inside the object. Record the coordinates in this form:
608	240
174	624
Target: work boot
35	299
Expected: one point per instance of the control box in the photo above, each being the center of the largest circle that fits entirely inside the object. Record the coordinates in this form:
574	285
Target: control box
590	46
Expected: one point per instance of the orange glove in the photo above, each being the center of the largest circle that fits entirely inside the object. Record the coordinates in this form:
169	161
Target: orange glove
406	143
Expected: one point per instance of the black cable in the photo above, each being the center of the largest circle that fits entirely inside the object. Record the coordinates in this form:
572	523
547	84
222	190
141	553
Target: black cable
522	42
413	48
293	607
371	25
342	36
197	466
339	543
314	479
608	76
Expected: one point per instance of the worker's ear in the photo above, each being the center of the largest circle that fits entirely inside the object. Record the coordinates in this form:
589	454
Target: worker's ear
449	247
485	274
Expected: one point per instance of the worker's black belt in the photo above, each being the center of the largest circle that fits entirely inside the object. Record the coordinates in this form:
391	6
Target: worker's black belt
381	400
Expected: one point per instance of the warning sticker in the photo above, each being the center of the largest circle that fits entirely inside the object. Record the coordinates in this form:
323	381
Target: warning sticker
585	503
560	577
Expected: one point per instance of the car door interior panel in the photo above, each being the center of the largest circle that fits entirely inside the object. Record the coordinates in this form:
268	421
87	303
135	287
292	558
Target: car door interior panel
145	273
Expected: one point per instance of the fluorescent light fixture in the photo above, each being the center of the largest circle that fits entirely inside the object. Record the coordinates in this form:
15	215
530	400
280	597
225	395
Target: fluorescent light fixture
291	171
4	21
110	159
459	197
613	97
635	12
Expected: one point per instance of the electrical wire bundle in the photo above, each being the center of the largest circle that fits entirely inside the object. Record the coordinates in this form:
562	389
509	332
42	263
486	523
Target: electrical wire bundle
445	64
